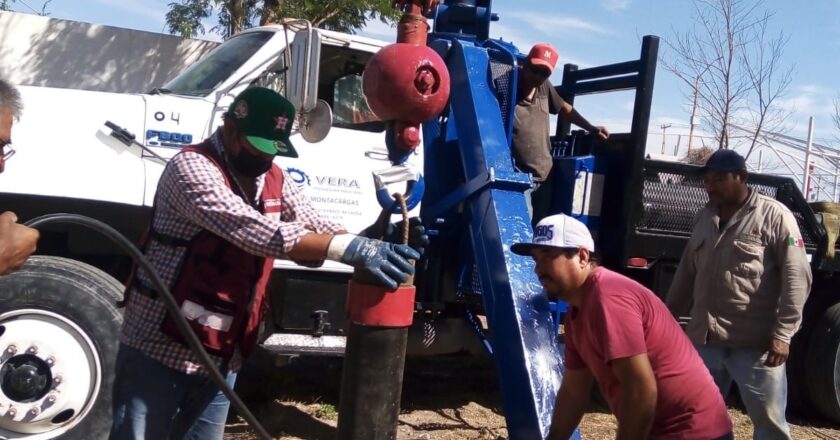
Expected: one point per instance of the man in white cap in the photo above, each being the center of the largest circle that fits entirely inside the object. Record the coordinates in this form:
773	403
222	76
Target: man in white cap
620	334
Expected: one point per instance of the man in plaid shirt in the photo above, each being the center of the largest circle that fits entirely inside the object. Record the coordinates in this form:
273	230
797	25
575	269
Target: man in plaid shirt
216	193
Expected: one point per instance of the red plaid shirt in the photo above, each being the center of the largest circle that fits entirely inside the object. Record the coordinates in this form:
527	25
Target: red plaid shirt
191	196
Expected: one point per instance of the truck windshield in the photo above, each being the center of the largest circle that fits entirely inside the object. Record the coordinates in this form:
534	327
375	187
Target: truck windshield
203	77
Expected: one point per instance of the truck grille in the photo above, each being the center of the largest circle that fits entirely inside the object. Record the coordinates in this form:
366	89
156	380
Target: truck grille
671	200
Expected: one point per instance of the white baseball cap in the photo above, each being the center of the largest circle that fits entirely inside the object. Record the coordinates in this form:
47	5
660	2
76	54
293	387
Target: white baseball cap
557	231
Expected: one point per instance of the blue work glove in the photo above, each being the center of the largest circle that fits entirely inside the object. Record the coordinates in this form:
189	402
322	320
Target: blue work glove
417	237
386	262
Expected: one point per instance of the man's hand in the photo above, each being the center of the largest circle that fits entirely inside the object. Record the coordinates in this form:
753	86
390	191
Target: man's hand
17	243
602	132
570	403
386	262
417	237
777	354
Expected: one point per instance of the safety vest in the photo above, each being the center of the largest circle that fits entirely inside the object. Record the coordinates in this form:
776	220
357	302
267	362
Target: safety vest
221	289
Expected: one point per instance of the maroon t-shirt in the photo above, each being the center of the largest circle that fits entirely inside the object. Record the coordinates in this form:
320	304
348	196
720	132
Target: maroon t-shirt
620	318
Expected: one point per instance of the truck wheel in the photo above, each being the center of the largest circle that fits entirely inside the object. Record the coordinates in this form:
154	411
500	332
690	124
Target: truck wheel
823	364
798	398
58	343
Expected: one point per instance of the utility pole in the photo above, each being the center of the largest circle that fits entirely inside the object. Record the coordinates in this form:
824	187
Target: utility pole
664	127
693	122
808	157
693	111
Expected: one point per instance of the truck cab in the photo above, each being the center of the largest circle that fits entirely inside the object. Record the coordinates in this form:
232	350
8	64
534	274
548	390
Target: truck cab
101	155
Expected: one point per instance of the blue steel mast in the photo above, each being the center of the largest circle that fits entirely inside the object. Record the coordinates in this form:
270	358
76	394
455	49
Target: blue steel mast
474	200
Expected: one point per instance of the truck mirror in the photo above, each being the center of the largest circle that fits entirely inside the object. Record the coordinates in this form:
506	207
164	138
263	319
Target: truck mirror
303	81
315	124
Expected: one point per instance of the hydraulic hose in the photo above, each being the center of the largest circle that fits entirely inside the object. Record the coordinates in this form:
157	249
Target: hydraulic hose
126	245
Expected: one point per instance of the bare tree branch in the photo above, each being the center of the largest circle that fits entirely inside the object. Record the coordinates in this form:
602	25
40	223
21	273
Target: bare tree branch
836	116
769	80
732	67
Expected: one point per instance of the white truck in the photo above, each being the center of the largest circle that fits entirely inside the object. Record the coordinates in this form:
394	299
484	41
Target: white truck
58	319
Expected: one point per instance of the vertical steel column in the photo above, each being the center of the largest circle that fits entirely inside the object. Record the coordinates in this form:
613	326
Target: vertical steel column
806	172
527	355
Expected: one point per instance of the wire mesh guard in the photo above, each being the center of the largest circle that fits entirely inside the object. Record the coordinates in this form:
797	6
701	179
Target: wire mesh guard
502	74
671	200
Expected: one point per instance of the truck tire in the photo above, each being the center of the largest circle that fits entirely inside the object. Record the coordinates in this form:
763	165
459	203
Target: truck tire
58	343
798	398
823	364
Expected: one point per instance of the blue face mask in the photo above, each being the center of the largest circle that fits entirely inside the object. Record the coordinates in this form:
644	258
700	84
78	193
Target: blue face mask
250	165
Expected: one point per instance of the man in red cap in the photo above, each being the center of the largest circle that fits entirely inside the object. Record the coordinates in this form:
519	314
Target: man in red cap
536	98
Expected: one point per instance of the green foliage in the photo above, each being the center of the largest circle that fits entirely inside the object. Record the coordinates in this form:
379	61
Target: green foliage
185	16
235	16
44	12
341	15
698	156
6	5
326	412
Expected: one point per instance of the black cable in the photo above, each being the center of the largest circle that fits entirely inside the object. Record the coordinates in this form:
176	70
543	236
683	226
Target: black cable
135	253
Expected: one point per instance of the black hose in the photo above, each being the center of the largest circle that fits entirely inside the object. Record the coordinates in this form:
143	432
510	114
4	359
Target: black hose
126	245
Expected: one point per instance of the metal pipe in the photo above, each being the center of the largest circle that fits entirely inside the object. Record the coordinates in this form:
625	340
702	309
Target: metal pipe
779	155
806	172
371	382
374	357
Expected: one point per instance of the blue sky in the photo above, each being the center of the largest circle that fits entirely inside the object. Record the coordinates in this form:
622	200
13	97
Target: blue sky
592	33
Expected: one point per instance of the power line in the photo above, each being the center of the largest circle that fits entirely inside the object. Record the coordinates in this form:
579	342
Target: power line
30	7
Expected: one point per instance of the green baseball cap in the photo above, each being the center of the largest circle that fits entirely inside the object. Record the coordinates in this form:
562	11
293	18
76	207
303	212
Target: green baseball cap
266	119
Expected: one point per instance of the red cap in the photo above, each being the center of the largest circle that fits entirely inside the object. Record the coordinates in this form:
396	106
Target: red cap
543	54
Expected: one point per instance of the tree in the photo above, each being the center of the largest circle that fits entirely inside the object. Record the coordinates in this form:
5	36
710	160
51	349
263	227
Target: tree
769	82
6	5
698	156
185	17
733	68
836	116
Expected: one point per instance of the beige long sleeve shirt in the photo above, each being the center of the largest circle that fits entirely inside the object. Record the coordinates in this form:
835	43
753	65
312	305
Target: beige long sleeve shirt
746	283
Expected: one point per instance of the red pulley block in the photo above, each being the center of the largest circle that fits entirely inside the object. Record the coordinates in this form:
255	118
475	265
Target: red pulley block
406	82
407	136
379	307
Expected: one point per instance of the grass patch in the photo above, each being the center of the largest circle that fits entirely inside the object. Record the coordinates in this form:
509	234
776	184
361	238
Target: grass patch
326	411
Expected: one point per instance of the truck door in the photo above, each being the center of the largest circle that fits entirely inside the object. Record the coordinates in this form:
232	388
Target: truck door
335	173
64	149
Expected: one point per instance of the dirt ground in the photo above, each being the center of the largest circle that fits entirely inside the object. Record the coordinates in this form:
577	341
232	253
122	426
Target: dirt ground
445	398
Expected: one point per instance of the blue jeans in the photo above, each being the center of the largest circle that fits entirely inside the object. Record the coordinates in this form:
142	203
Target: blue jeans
155	402
763	389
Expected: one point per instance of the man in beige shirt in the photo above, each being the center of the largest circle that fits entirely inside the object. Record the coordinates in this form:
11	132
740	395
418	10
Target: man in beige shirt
744	277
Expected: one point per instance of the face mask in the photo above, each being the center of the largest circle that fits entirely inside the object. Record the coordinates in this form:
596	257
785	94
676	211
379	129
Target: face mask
250	165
